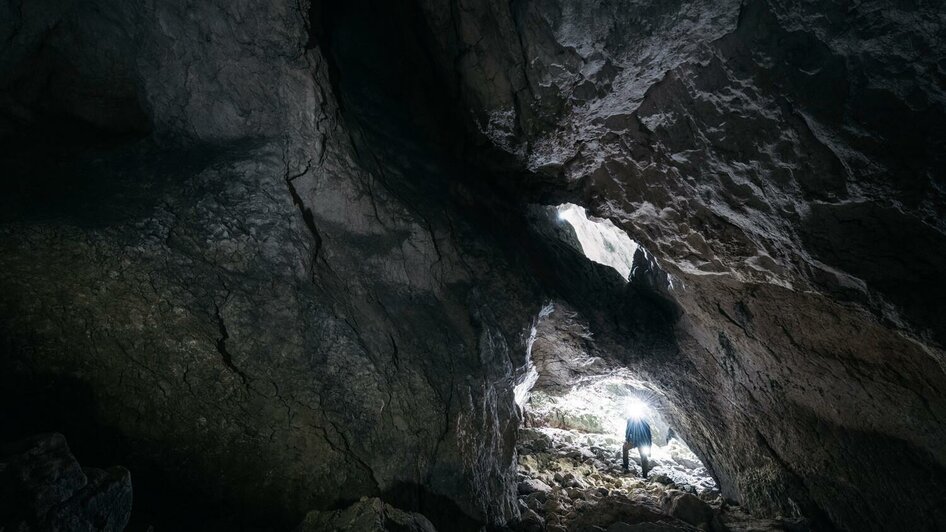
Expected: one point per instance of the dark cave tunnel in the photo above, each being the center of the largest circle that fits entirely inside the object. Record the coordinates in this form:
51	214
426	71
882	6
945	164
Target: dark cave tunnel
310	264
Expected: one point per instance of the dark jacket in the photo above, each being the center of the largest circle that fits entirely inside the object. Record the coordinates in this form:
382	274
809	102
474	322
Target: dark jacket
637	432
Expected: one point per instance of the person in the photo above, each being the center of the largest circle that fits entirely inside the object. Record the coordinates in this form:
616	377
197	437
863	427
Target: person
637	434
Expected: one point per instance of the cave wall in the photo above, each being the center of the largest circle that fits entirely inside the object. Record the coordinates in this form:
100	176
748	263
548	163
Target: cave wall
247	277
253	305
782	161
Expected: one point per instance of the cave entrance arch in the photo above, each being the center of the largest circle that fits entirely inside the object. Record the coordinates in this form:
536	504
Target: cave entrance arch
603	342
576	400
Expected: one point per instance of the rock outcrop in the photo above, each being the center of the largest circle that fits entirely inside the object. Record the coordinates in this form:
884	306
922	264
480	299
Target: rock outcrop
42	487
366	515
782	162
584	487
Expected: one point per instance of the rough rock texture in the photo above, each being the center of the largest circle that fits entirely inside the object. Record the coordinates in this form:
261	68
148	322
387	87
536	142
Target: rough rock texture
783	162
564	350
42	487
587	488
368	515
686	507
312	279
288	321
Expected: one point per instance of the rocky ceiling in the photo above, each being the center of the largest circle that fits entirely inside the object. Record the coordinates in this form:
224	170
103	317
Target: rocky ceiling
274	257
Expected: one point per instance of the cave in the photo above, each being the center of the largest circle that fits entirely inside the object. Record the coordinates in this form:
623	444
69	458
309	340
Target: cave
366	265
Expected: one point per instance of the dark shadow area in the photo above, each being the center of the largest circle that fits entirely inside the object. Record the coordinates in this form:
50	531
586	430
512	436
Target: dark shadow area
92	179
894	253
402	108
441	511
883	460
89	176
33	403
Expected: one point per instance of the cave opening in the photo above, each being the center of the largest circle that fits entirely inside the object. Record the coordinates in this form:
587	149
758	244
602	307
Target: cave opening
598	239
587	421
601	346
576	398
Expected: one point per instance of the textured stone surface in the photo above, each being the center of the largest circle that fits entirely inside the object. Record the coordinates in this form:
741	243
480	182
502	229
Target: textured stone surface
782	160
588	487
42	487
686	507
280	322
564	350
312	280
369	515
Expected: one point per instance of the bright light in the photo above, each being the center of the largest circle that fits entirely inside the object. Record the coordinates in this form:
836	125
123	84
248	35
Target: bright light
522	389
600	240
637	409
645	450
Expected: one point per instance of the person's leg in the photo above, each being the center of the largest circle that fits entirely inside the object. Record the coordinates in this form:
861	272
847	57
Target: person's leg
626	448
645	461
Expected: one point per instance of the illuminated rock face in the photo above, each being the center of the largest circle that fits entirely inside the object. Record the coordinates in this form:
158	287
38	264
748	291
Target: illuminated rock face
302	268
600	240
783	162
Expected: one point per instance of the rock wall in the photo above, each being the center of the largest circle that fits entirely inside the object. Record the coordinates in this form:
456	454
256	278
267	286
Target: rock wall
281	253
42	487
781	160
255	300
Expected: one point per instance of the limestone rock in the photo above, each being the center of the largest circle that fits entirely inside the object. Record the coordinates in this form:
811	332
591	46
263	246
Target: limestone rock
284	251
531	521
244	305
532	486
661	479
42	487
686	507
644	527
368	515
782	165
533	440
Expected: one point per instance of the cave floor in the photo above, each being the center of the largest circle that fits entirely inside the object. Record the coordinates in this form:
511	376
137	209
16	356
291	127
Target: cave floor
573	481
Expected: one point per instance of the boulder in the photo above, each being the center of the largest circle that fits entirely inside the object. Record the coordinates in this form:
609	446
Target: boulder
532	440
366	515
645	527
532	486
686	507
660	478
531	522
43	487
